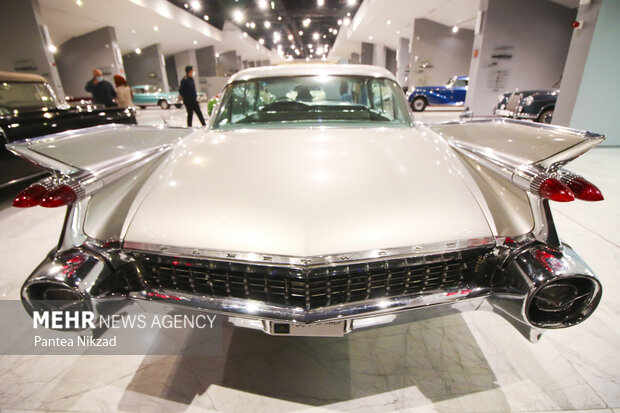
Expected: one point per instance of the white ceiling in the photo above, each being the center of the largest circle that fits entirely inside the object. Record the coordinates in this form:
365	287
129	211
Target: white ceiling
134	22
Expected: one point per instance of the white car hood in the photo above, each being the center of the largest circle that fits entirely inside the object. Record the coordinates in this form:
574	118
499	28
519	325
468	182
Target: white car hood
306	192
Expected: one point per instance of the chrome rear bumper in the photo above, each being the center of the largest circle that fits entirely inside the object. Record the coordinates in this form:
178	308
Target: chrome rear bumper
533	287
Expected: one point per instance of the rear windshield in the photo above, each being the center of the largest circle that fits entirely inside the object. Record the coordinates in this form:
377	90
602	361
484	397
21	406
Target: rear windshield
312	100
21	95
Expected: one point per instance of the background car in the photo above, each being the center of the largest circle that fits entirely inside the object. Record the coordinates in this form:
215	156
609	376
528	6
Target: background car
29	108
307	217
150	95
537	105
452	94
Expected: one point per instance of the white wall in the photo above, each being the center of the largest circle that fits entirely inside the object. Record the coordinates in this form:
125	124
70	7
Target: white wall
537	33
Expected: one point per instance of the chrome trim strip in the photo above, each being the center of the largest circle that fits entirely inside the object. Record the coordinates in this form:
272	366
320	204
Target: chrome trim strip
296	315
311	261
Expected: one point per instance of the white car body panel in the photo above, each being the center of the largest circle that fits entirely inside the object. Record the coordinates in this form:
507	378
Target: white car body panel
307	192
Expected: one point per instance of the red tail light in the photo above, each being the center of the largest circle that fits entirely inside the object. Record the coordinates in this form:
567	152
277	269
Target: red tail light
30	196
59	196
584	189
554	190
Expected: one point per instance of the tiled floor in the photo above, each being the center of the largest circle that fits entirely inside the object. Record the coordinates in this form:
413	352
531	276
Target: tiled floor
474	362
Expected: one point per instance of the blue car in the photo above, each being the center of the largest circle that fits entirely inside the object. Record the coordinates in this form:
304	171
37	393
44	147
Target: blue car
452	93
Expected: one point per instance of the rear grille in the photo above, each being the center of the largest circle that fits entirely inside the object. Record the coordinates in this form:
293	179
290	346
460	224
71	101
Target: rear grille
513	102
311	288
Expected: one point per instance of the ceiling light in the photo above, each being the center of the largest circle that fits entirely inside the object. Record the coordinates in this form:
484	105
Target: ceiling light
261	41
455	29
301	33
279	18
262	4
217	55
330	30
397	31
79	2
252	25
389	22
273	5
320	3
324	36
307	59
335	31
196	5
369	37
52	48
297	52
133	31
267	24
186	6
195	41
238	16
244	35
138	50
351	2
156	28
247	24
206	17
349	14
339	22
306	22
290	37
346	21
276	37
309	45
315	36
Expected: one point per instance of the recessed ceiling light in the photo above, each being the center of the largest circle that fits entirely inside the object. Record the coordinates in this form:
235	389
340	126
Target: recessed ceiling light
346	21
186	6
252	25
138	50
217	55
335	31
276	37
389	22
397	31
455	29
262	4
351	2
290	37
293	46
301	33
324	36
320	3
196	5
307	59
156	28
244	35
247	24
279	18
267	24
195	41
52	48
238	16
339	22
206	17
306	22
133	31
315	36
79	2
369	37
261	40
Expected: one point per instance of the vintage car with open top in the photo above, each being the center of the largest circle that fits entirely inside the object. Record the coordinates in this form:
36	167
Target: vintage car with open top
319	216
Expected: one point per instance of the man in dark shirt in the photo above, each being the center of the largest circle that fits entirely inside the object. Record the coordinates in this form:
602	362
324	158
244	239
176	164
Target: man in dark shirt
102	90
187	90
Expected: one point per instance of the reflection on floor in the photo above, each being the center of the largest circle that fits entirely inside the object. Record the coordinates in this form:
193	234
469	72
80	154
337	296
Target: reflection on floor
474	362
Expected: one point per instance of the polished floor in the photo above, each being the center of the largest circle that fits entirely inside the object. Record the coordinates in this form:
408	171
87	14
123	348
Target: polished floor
473	363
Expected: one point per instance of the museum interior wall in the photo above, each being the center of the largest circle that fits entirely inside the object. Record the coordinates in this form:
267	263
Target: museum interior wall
26	42
78	56
146	68
522	45
437	53
597	96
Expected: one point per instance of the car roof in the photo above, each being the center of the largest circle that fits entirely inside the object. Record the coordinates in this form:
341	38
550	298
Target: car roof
21	77
311	70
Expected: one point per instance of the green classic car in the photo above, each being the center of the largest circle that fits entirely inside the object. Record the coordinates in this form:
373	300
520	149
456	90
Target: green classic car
150	95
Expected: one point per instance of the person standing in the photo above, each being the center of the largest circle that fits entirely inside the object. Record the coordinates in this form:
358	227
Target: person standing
124	97
103	92
187	90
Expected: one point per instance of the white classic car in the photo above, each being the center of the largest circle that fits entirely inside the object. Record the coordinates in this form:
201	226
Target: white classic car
318	215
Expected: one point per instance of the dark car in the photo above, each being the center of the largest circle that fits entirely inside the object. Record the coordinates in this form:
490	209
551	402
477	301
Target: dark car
29	108
452	93
537	105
